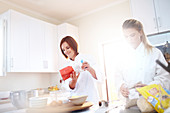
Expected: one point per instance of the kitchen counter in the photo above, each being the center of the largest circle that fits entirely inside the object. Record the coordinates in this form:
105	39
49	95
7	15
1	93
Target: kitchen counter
108	110
7	107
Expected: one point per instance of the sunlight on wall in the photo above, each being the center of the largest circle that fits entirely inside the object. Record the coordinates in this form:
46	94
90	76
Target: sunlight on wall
115	53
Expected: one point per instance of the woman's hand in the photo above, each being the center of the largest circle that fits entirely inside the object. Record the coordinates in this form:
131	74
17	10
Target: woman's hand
86	66
74	78
124	90
139	85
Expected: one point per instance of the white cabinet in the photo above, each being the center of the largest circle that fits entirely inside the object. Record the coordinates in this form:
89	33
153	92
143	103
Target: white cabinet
28	42
42	42
2	47
17	40
36	40
65	29
16	35
154	14
50	61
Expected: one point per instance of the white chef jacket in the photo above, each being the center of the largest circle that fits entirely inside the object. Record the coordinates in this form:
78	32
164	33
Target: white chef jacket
141	67
86	83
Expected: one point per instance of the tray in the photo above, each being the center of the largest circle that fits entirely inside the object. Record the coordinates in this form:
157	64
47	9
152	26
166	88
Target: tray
65	108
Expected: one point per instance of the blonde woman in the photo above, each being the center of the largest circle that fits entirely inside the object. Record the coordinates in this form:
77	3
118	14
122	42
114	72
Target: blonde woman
142	69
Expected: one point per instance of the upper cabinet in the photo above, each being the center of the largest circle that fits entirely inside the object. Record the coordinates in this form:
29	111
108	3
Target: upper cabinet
154	14
51	54
31	44
2	47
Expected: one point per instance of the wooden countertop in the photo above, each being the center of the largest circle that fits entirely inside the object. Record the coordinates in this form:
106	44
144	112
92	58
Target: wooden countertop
7	107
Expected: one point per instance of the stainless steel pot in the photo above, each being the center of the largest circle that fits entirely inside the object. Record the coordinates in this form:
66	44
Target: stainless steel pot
19	99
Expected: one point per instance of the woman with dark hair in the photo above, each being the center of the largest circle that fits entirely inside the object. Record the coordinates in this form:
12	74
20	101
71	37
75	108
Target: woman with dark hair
84	82
141	69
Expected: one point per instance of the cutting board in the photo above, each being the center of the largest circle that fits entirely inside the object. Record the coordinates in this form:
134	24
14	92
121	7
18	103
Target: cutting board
65	108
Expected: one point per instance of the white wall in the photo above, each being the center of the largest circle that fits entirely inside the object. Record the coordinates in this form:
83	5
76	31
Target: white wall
101	26
21	81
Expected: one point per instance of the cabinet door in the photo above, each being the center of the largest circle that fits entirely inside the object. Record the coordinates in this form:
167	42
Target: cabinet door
36	45
163	14
18	43
2	47
143	10
51	54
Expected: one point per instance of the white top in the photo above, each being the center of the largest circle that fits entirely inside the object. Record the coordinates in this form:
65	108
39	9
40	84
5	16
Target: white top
86	84
141	67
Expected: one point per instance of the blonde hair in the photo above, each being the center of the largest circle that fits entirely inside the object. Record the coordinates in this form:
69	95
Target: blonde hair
132	23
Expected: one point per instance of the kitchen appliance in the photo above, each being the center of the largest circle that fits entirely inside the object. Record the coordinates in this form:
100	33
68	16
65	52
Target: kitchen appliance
167	68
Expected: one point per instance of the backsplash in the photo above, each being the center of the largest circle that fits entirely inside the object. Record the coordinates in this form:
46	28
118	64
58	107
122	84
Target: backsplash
25	81
162	42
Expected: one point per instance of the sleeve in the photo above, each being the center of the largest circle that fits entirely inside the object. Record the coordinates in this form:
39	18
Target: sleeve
161	76
119	80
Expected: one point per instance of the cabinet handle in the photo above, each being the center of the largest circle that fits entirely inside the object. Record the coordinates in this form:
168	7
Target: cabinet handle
45	64
5	46
159	22
155	23
12	62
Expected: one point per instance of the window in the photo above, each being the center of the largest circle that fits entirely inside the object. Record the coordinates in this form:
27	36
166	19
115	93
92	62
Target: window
161	41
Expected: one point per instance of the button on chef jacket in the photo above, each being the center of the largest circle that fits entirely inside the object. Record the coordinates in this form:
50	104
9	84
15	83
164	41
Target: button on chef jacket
142	67
86	83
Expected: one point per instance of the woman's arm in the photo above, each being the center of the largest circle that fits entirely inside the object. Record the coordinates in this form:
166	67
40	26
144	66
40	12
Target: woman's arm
73	82
86	66
161	76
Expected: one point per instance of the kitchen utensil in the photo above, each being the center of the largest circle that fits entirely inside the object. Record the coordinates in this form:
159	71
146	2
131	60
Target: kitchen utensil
163	66
78	100
103	103
19	99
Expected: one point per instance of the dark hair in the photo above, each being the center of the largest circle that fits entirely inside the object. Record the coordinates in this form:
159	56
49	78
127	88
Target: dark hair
71	42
